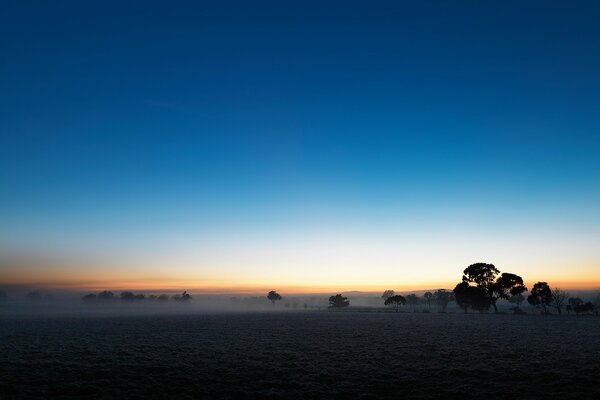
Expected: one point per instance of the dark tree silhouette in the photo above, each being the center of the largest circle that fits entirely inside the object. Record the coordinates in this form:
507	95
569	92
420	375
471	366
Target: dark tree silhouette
274	296
139	297
517	299
442	298
183	297
559	297
428	297
467	296
387	294
338	301
579	306
484	277
396	301
152	297
89	298
586	308
541	295
412	300
127	297
106	296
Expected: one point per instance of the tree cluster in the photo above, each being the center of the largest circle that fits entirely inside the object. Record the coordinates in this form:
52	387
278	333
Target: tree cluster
130	297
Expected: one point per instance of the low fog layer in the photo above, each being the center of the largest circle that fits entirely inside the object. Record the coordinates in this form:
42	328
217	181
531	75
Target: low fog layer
40	302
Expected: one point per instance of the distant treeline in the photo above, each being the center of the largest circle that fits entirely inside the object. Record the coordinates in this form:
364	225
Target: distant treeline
130	297
481	287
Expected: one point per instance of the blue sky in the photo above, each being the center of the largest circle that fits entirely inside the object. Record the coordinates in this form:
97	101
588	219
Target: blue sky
128	125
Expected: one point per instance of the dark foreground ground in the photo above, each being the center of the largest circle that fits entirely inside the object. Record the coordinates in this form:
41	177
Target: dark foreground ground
301	355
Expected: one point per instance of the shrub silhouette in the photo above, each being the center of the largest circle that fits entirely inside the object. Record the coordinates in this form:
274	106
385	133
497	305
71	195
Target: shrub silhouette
541	295
396	301
338	301
139	297
484	276
273	296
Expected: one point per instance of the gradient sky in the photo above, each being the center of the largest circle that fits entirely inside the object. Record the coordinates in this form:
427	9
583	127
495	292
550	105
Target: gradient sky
300	145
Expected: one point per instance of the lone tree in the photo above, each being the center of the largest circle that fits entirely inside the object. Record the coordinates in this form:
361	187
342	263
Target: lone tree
559	297
442	298
184	297
541	295
338	301
428	297
396	301
387	294
274	296
484	276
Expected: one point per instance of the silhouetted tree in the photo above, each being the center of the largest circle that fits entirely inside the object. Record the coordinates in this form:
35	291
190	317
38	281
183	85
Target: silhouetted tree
558	298
484	277
509	285
183	297
586	308
442	298
89	298
338	301
127	297
152	297
273	296
139	297
428	296
467	296
396	301
387	294
106	296
412	300
541	295
579	306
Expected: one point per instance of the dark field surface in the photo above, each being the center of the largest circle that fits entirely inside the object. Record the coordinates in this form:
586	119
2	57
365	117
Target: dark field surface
301	355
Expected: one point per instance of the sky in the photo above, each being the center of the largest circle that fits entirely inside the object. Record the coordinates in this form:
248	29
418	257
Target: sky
299	145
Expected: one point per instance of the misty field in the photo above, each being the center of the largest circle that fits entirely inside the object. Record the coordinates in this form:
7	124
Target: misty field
301	355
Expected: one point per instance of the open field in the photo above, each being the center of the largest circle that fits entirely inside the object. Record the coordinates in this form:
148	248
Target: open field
301	355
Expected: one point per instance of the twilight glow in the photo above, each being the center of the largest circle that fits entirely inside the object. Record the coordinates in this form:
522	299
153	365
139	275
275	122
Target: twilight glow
357	149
